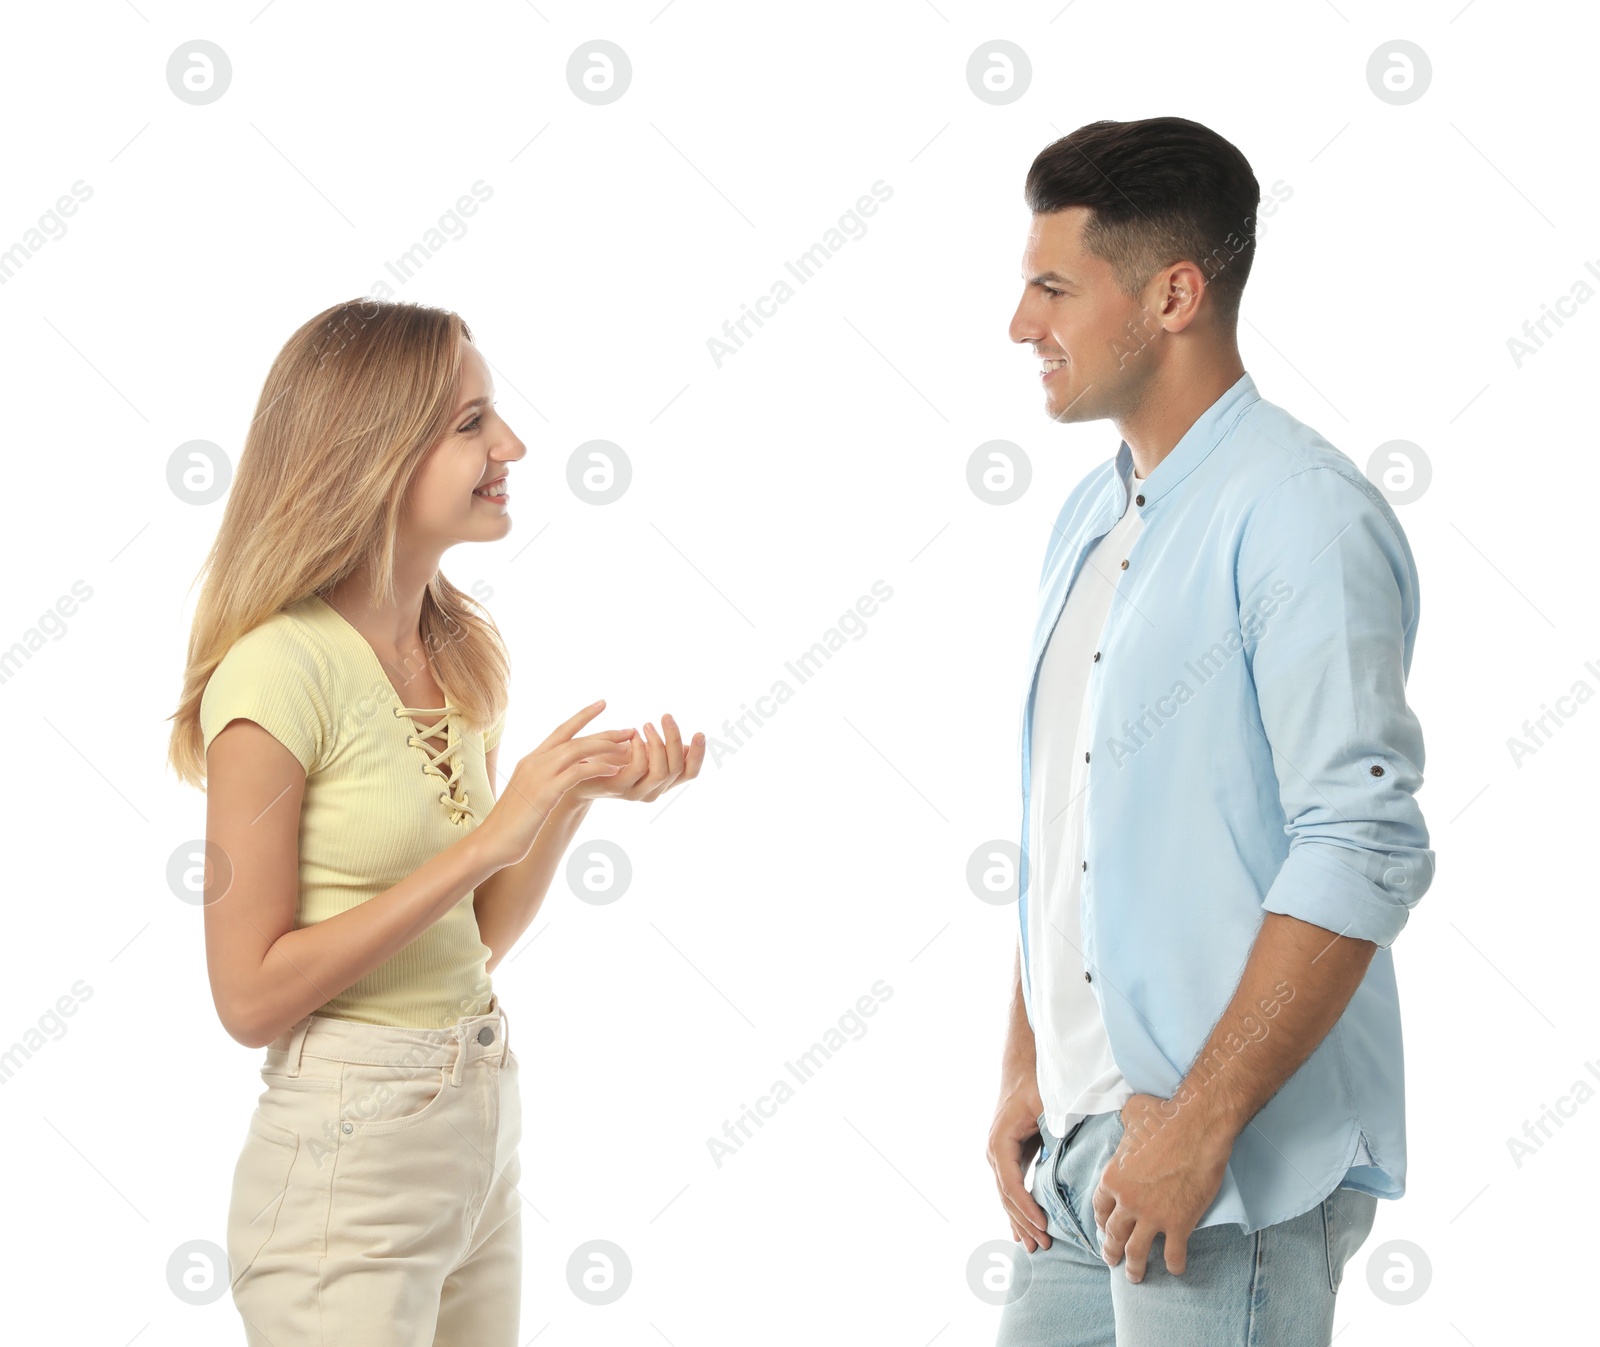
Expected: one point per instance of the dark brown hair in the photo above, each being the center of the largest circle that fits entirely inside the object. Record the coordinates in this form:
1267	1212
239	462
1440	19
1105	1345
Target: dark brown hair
1160	191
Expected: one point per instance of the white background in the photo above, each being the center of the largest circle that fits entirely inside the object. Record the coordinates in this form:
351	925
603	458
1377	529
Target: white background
768	495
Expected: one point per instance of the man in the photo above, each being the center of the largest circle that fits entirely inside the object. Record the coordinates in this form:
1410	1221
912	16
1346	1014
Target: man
1220	833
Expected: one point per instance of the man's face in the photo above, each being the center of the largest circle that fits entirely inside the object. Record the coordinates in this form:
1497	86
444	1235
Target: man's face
1072	311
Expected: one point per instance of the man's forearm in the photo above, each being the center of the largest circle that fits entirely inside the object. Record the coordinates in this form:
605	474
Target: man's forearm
507	902
1297	982
1020	1061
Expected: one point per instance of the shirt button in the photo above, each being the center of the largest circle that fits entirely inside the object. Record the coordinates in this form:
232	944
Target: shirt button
1086	976
1138	500
1086	757
1376	770
486	1035
1086	865
1124	563
1097	656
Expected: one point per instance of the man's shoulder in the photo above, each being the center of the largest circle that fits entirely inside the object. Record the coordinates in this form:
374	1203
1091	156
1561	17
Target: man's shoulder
1286	479
1270	447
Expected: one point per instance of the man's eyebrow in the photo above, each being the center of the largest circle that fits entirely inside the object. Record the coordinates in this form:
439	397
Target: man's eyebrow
1055	276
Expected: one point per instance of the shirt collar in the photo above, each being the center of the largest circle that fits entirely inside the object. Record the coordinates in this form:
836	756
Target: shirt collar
1190	451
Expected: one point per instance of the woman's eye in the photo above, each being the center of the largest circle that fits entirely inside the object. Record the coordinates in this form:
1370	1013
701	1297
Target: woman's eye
471	425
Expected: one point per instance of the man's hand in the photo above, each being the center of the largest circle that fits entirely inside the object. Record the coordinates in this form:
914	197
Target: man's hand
1013	1141
1164	1175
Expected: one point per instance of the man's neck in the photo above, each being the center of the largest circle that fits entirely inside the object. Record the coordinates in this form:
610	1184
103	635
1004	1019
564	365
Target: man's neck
1172	403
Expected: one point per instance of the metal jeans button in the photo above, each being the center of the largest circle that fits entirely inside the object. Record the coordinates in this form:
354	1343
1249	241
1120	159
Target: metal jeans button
486	1035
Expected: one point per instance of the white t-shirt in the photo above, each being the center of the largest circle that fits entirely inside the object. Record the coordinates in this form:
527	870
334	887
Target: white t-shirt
1077	1075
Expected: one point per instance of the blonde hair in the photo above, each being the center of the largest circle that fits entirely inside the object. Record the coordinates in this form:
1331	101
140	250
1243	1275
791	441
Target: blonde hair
350	408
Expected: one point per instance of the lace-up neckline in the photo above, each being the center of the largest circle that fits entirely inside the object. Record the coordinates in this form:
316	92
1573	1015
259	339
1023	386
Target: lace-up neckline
458	804
428	722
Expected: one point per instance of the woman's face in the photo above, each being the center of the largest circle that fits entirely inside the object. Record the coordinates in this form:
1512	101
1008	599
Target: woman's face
446	503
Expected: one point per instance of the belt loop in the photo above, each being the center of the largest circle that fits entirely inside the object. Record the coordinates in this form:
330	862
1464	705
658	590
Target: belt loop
461	1053
292	1051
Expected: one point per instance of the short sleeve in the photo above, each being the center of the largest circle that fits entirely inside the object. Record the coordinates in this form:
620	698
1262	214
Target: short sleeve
273	676
492	735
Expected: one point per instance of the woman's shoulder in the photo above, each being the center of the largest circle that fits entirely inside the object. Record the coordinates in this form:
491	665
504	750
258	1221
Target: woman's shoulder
283	673
284	640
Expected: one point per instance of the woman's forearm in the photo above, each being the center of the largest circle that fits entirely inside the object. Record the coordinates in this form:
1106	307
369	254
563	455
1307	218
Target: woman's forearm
308	966
507	902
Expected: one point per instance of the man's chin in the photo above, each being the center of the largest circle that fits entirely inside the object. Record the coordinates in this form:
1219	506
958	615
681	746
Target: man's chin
1076	398
1069	410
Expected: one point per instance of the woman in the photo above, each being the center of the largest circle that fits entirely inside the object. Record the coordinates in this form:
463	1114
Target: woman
343	705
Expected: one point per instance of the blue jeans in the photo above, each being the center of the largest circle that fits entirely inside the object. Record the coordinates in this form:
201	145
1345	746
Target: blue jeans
1274	1288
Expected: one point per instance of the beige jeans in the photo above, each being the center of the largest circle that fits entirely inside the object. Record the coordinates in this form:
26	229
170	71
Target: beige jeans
375	1199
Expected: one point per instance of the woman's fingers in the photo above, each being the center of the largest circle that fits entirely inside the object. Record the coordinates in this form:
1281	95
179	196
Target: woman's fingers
650	762
638	761
569	727
599	747
674	745
658	758
693	757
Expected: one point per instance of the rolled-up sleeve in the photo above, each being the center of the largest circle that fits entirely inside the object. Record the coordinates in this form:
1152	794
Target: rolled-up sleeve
1328	604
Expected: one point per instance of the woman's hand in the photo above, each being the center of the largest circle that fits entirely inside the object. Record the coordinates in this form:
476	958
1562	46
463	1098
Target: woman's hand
538	781
655	765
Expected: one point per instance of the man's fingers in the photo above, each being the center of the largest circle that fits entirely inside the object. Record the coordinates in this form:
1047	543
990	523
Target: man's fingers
1033	1228
1026	1238
1024	1212
1038	1221
1175	1252
1110	1246
1136	1251
1105	1212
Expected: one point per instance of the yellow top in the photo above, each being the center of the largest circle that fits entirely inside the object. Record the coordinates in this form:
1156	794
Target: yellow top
379	802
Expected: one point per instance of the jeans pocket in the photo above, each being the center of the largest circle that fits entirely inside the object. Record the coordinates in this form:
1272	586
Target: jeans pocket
377	1099
1347	1219
260	1185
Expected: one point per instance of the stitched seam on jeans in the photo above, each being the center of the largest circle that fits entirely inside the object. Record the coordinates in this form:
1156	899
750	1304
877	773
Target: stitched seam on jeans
1327	1241
1255	1281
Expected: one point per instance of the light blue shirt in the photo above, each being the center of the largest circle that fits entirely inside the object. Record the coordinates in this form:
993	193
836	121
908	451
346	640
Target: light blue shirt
1251	751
